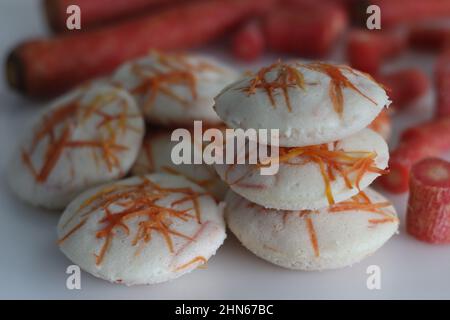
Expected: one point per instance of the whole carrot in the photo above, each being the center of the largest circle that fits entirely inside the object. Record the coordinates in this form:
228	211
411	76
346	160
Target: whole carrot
46	67
95	12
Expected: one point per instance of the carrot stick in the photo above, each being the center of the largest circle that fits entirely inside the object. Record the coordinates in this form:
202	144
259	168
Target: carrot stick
46	67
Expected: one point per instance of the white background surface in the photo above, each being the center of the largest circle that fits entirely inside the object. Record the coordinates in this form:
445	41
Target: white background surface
31	265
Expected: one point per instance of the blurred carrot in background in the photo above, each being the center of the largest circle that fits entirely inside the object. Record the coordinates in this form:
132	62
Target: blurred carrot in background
424	140
96	12
47	67
427	213
405	86
442	79
249	41
368	50
305	28
430	37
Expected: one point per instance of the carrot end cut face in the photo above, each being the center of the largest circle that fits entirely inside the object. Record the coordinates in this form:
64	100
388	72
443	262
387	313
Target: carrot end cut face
428	215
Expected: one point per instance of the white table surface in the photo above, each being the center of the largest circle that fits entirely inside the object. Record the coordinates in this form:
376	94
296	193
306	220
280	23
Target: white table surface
31	266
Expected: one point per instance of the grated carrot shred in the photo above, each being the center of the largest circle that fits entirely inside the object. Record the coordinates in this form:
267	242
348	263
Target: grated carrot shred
361	202
177	71
287	77
338	82
331	162
312	236
199	259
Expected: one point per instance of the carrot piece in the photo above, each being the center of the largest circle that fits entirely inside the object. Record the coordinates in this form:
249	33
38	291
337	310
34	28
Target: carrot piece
405	86
47	67
428	139
368	50
428	215
249	42
309	30
434	133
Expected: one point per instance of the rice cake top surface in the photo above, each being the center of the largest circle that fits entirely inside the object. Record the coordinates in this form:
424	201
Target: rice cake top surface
310	103
142	230
175	89
88	136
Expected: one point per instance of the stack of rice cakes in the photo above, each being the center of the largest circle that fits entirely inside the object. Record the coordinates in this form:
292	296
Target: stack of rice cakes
317	211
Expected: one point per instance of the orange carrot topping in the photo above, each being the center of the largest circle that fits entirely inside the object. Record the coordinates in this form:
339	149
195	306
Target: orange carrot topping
279	77
331	162
312	236
72	231
193	198
385	220
52	155
176	71
199	259
286	77
338	82
136	202
56	131
361	202
304	213
326	179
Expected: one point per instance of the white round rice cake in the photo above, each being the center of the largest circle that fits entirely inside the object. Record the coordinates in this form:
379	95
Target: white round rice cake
89	136
301	182
176	89
142	230
310	104
330	238
155	156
